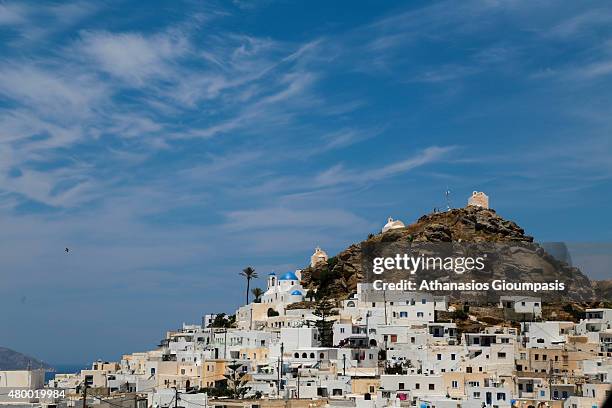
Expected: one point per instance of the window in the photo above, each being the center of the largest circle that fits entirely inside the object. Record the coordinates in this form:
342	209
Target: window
423	301
468	370
312	355
439	357
455	384
322	355
542	393
419	314
501	396
476	394
501	355
296	355
342	330
452	356
403	314
432	387
413	340
304	355
417	386
394	338
400	386
536	357
540	341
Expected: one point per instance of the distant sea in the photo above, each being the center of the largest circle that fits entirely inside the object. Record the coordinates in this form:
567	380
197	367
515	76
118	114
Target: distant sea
65	369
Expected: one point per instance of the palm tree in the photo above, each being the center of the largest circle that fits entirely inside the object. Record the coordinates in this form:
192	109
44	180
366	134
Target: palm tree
257	292
249	273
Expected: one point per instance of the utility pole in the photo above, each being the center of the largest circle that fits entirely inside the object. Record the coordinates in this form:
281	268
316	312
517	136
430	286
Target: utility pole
385	303
279	377
298	384
367	328
85	396
550	375
281	364
225	344
344	364
176	397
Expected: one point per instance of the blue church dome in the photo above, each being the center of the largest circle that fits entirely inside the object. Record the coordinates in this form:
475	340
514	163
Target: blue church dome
271	273
296	292
288	276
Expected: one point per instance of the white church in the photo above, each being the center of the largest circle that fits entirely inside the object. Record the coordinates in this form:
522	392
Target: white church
283	290
287	288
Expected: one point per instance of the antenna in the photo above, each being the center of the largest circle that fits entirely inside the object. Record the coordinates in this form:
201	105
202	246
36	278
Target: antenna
447	196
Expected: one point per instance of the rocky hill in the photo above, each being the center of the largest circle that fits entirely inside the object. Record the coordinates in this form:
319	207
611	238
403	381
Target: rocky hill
530	262
13	360
603	291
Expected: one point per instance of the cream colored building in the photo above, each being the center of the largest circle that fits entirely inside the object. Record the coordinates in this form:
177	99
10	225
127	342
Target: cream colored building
479	199
20	380
212	372
392	224
319	256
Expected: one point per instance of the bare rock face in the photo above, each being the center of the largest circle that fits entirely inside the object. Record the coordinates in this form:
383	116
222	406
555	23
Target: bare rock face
603	292
339	277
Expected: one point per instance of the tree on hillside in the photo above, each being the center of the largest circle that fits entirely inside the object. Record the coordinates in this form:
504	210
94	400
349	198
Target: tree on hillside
223	321
249	273
257	292
324	309
236	378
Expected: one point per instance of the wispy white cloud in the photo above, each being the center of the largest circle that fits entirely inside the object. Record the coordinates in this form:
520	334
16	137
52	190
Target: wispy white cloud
50	92
13	14
134	57
581	23
270	218
339	175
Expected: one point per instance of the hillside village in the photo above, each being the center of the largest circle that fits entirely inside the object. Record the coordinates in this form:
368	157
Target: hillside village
290	346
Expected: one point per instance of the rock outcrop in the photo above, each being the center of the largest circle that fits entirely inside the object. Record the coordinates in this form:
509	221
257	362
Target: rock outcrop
526	261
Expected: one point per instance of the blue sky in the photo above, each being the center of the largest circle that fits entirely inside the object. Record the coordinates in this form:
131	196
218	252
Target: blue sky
171	146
